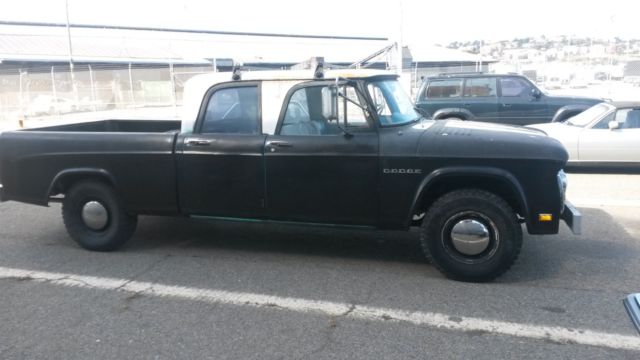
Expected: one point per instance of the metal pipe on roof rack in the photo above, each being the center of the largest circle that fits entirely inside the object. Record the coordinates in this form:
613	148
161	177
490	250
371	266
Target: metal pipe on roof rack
93	89
131	94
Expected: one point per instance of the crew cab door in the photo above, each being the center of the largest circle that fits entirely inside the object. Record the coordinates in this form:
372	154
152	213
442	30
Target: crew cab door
220	165
518	105
316	173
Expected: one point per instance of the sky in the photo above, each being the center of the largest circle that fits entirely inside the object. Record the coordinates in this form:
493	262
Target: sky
411	21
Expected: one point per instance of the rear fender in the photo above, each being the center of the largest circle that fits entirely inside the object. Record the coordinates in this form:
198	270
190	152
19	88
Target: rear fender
63	180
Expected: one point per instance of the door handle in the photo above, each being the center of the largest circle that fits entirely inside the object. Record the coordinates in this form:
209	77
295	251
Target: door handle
506	105
279	144
196	142
466	104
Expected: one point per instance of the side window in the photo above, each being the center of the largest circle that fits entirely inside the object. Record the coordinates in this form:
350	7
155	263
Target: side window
628	118
633	120
514	87
351	115
450	88
604	123
303	115
232	111
480	87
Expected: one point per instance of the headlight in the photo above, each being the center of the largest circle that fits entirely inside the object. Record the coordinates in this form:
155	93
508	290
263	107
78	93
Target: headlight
562	183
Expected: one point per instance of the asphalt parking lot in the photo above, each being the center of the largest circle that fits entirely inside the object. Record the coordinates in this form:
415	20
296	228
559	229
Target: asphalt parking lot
191	289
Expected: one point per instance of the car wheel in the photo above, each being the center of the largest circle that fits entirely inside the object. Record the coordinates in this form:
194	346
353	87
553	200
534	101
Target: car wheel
471	235
95	217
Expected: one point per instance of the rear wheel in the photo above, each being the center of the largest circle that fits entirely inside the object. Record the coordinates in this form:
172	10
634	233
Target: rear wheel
471	235
95	217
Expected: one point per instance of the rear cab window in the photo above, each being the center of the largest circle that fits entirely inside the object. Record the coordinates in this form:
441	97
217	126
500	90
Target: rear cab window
232	110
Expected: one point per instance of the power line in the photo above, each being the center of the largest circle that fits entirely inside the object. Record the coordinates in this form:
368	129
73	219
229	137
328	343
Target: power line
190	31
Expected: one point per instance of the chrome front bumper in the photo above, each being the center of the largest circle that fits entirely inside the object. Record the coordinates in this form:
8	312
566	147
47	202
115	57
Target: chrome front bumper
572	217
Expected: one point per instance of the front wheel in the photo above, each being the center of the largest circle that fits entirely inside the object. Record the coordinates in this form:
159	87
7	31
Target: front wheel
471	235
95	217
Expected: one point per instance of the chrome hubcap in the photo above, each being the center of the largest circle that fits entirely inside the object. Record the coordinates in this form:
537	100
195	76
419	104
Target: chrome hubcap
95	215
470	237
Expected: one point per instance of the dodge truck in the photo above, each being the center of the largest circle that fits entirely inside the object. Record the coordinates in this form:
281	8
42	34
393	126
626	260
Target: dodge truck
330	147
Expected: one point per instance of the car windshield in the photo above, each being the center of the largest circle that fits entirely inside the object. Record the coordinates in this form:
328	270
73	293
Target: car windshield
586	117
391	103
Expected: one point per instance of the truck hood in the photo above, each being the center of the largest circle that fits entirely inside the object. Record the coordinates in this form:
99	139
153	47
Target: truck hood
469	139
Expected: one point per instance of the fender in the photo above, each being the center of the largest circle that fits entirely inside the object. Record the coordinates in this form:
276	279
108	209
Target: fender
563	112
489	172
456	112
97	172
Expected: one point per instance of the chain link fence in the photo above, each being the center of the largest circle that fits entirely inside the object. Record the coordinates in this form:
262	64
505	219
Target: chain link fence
55	91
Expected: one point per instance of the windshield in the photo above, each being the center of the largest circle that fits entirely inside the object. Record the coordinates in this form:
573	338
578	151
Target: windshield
391	103
586	117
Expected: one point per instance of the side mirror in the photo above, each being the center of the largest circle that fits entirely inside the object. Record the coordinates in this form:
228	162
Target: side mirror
536	93
613	125
330	103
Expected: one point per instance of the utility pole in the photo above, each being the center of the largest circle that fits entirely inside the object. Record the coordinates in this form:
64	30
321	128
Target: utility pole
73	78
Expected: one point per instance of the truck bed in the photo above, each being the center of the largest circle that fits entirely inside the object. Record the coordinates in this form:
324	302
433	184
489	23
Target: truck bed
154	126
136	156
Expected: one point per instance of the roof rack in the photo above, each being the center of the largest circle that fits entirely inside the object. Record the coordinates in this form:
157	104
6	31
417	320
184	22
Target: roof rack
462	73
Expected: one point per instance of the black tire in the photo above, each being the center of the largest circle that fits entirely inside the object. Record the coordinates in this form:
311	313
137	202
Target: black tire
119	226
504	234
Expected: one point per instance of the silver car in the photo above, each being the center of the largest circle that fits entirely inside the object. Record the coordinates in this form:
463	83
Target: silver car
607	134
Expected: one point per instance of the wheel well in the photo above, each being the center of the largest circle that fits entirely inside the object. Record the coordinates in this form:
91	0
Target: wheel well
566	115
497	186
449	116
65	182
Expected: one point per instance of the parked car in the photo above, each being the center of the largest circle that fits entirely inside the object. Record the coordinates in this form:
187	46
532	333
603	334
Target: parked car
607	134
345	147
507	98
47	104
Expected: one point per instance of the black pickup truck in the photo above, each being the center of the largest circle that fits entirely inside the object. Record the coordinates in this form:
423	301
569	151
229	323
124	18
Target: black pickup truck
336	147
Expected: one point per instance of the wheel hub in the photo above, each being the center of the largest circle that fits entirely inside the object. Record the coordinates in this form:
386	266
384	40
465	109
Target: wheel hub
470	237
95	215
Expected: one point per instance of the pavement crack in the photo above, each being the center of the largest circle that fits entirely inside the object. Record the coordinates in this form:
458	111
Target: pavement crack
349	311
142	272
330	330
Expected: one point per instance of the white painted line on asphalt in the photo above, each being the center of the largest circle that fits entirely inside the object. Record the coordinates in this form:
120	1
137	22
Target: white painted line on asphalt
555	334
593	202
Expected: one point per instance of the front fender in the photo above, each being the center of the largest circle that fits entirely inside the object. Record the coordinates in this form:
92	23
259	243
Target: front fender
501	175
